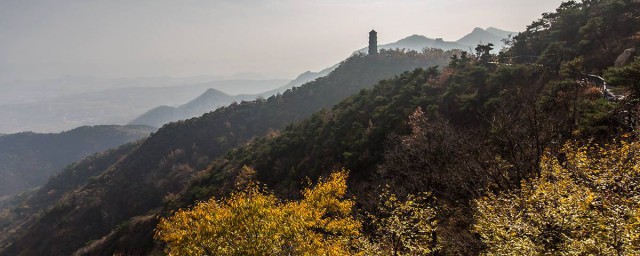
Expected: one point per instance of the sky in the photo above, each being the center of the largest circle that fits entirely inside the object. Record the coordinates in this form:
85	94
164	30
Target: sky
46	39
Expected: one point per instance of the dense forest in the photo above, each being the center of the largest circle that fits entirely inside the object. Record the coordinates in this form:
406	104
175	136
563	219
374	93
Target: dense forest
450	153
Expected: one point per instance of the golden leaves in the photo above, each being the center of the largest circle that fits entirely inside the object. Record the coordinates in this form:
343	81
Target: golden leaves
255	222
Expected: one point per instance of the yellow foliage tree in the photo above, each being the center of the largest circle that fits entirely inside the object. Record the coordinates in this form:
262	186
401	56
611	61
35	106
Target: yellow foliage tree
254	222
586	204
403	227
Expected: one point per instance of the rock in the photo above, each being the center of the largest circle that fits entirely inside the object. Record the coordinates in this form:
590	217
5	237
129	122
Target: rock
625	58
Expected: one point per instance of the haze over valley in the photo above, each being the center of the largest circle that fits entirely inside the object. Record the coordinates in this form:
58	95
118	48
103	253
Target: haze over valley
69	109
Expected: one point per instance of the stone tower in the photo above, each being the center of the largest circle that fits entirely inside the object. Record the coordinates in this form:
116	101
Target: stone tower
373	42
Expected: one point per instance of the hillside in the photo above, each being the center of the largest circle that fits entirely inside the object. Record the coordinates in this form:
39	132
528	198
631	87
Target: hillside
19	210
27	160
595	33
165	162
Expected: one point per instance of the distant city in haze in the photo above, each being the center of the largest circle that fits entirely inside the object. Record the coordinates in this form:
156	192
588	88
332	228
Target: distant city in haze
225	39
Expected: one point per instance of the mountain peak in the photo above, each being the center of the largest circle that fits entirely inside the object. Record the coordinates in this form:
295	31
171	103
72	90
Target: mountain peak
482	36
500	32
413	38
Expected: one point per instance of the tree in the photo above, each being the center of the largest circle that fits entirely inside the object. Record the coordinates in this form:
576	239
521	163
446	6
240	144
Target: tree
585	202
627	76
483	51
255	222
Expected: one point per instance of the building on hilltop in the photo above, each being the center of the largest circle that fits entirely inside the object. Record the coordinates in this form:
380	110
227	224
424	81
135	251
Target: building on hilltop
373	42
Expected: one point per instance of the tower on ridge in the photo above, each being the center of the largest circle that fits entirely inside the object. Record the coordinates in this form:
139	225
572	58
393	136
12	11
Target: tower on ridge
373	42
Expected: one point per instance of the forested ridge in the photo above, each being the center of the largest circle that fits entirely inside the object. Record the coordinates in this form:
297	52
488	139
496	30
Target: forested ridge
504	154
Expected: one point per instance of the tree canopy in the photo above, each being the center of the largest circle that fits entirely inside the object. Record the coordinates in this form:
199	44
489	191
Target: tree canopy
254	222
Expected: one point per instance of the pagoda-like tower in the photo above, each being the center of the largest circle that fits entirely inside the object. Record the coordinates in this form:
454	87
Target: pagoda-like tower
373	42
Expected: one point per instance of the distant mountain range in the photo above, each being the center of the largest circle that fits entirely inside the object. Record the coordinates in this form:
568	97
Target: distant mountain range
466	43
28	159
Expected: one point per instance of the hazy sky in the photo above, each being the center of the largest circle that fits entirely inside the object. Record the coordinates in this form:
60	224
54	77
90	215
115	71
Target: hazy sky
42	39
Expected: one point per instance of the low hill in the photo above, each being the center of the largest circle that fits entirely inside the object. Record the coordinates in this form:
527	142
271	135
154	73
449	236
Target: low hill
27	160
208	101
212	99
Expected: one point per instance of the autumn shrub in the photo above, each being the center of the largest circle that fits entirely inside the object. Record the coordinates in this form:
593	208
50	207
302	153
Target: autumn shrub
255	222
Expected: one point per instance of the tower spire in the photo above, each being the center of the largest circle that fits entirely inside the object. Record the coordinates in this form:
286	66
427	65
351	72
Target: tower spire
373	42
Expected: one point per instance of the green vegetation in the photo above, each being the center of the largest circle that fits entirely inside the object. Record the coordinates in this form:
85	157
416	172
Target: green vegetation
34	203
595	30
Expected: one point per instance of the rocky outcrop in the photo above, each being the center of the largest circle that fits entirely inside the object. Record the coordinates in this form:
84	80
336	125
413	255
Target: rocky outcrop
625	58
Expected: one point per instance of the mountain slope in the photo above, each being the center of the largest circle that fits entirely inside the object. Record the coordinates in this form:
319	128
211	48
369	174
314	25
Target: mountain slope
21	209
27	160
167	160
303	78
